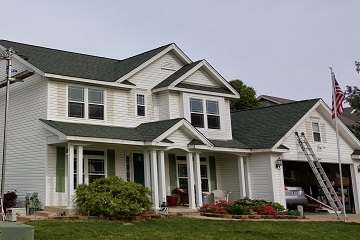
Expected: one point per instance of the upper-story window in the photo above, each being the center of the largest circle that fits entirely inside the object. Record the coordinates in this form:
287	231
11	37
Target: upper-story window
316	131
198	118
85	103
140	104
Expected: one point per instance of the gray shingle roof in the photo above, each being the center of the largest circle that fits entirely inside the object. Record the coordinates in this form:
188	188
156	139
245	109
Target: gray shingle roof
229	144
176	75
262	128
79	65
144	132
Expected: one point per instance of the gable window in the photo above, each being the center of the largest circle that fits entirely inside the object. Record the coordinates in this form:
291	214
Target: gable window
212	118
85	103
316	131
196	111
140	104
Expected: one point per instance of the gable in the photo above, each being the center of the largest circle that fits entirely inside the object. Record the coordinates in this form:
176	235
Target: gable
200	77
157	71
180	138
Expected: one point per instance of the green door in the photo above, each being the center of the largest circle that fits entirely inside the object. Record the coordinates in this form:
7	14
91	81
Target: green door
138	162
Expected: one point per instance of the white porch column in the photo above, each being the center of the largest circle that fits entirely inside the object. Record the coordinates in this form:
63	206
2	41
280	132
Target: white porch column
197	175
70	176
191	182
154	179
80	170
147	169
241	169
161	168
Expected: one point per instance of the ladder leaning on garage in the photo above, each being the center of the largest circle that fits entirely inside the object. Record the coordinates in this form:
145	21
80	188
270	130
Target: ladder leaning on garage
320	174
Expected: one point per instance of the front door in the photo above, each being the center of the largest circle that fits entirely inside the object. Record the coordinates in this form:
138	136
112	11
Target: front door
138	163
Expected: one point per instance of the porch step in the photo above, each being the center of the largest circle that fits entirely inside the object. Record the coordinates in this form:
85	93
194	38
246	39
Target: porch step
46	214
25	219
55	209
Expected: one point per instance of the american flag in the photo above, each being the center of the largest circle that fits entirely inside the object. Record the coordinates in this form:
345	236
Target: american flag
339	98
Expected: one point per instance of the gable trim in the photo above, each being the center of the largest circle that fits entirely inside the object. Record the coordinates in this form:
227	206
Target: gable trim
179	124
173	46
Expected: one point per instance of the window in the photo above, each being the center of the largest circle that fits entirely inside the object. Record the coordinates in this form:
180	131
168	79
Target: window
128	169
96	169
196	111
316	131
140	104
85	103
182	173
76	102
96	104
212	119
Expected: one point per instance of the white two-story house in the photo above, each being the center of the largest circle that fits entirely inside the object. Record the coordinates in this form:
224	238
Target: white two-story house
157	118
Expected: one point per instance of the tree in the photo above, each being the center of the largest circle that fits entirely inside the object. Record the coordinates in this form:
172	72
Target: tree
352	96
247	99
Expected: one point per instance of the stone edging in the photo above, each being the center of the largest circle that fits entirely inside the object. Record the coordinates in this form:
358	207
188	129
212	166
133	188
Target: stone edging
251	216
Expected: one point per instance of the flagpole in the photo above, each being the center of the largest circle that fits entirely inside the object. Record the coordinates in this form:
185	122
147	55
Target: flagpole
337	141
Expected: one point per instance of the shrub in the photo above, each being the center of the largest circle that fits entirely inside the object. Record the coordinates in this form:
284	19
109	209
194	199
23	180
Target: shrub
112	197
10	199
238	209
266	210
220	207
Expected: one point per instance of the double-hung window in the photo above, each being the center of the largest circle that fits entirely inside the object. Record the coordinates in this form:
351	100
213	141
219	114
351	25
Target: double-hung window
316	131
196	111
85	103
140	104
212	118
76	102
182	173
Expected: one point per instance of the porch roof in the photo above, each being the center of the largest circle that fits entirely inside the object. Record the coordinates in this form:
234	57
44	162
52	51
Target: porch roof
144	132
262	128
229	144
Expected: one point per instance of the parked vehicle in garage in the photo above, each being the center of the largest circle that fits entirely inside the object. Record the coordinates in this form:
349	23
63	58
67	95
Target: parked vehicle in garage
294	193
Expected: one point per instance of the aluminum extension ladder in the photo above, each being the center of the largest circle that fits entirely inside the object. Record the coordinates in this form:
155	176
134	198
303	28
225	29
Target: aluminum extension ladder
320	174
2	209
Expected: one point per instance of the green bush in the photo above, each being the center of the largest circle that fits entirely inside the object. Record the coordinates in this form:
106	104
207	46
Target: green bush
112	197
238	209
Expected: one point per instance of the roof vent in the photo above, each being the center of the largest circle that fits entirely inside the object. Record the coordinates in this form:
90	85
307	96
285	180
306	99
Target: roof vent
168	66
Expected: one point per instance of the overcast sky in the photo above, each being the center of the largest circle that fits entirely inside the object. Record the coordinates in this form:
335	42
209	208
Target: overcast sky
281	48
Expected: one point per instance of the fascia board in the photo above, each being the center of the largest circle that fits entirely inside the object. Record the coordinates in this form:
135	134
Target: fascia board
189	127
104	140
187	74
26	63
198	92
157	56
220	149
181	54
89	81
61	135
220	78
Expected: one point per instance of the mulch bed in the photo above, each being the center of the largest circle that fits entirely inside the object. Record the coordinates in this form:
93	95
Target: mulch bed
254	216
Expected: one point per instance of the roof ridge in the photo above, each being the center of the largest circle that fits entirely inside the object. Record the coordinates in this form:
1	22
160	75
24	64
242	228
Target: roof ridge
54	49
278	105
166	45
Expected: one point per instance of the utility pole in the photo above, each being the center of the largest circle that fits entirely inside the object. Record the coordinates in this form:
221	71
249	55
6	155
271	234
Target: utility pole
8	55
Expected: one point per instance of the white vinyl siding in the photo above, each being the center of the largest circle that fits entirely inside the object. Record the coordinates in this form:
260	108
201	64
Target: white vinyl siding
180	138
163	104
200	77
227	175
260	177
26	152
328	152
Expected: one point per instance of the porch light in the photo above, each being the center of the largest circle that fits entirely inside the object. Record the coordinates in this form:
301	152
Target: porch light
278	163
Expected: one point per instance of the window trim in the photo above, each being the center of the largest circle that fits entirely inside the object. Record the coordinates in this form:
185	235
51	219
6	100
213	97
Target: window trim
144	93
204	113
141	105
313	131
86	102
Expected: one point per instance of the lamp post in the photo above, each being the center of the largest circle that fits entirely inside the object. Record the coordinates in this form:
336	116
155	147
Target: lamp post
7	55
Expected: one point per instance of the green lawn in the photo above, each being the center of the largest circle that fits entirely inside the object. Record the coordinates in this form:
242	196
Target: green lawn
190	228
